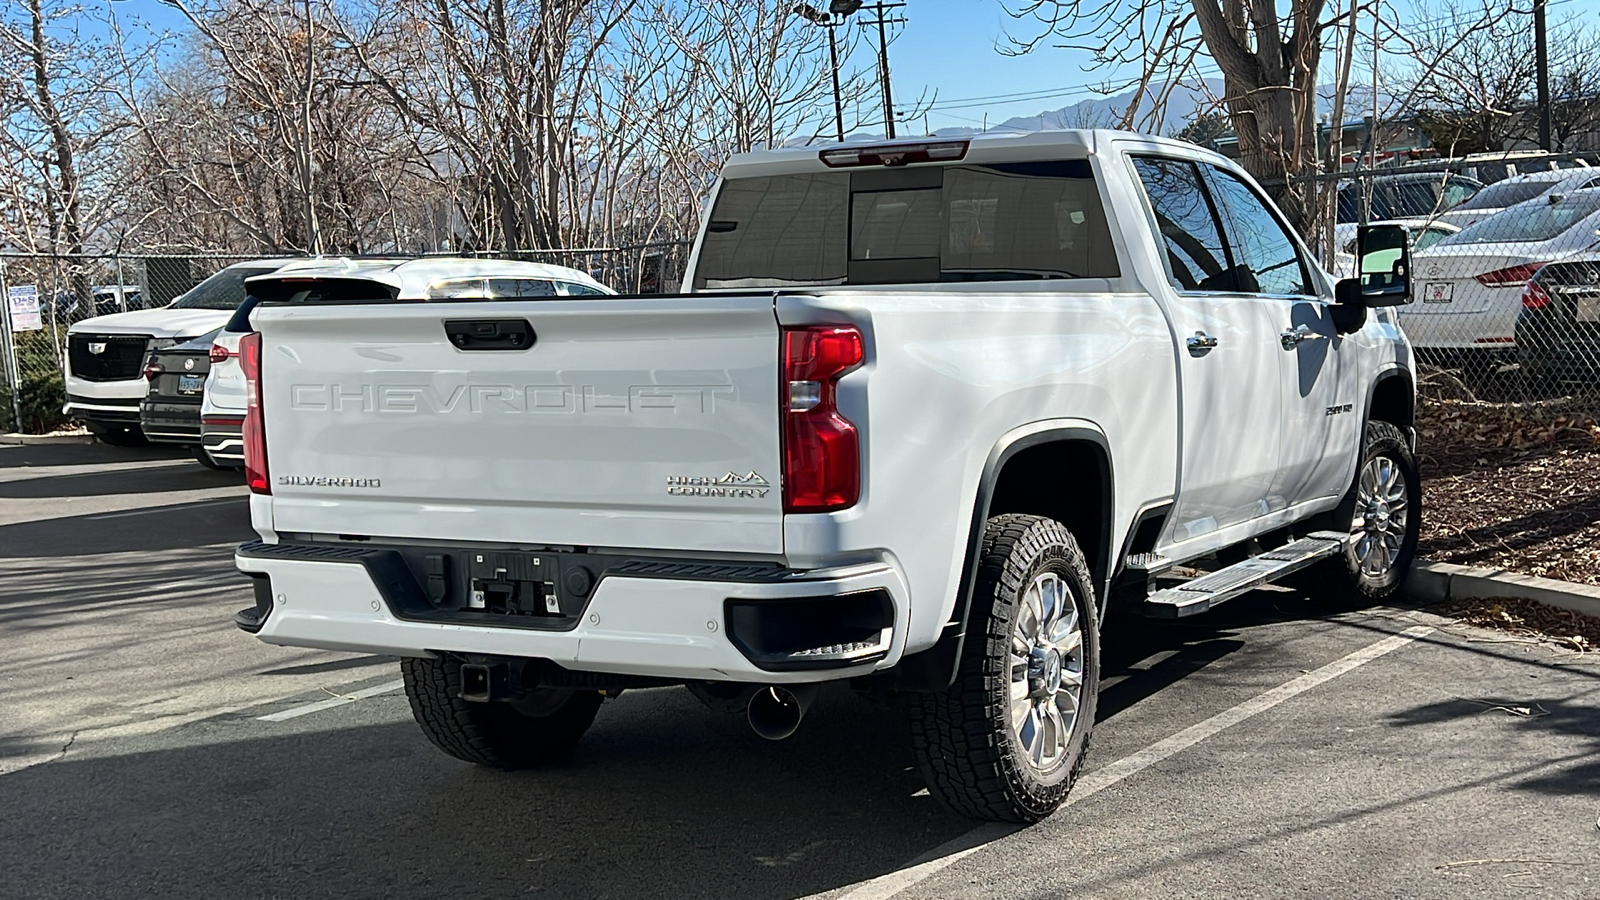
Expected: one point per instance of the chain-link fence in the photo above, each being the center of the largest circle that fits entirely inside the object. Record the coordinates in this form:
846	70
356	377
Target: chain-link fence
43	295
1506	274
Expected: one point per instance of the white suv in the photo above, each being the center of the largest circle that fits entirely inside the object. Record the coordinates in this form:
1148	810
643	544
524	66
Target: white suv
105	354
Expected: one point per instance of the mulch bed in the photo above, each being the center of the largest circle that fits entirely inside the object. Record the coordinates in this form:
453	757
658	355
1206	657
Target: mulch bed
1512	486
1528	619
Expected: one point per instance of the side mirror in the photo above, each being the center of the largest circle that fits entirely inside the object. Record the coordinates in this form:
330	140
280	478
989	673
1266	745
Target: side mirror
1383	268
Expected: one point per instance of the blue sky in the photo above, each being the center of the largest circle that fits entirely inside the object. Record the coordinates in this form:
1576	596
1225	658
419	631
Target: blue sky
949	46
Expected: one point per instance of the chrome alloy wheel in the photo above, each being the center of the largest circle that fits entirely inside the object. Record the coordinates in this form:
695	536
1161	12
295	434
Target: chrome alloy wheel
1382	512
1046	671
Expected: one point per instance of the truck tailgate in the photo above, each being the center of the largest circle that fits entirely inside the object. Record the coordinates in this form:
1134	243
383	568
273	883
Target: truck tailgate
628	423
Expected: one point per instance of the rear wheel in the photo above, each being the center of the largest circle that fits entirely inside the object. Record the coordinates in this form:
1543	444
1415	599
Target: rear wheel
1383	515
1006	740
538	729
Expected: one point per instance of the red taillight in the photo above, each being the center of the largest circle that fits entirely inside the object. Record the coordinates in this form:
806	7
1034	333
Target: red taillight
255	434
1534	296
821	450
151	370
1511	276
220	353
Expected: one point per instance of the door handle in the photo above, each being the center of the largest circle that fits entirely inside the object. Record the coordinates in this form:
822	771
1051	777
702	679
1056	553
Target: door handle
1294	337
1200	343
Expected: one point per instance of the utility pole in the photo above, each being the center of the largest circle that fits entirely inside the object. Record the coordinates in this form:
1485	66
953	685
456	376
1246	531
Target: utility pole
838	10
1542	66
883	58
838	104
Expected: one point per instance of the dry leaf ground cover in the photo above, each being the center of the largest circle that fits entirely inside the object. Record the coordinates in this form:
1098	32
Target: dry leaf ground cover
1512	486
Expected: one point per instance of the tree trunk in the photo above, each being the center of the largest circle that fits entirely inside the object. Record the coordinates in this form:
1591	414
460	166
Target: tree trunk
68	185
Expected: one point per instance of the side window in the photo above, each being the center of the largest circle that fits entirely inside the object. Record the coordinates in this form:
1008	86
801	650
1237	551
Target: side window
491	289
1188	224
573	289
1258	241
1428	237
1456	191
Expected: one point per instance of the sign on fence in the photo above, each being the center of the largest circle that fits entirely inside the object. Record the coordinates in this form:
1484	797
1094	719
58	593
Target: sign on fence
24	302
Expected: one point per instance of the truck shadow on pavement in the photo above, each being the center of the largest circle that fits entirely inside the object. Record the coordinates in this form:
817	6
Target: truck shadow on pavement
28	455
171	526
176	475
663	799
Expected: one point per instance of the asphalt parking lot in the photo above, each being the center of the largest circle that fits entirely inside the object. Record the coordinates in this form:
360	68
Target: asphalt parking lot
1273	748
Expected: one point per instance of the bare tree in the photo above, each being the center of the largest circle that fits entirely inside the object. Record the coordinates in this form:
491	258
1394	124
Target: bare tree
1475	86
57	66
1269	62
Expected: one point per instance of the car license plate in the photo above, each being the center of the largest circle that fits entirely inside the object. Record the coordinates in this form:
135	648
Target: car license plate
191	384
1438	292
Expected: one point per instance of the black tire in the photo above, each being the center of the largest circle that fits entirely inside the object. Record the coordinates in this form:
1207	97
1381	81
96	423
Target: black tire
118	435
204	458
499	735
969	755
1342	579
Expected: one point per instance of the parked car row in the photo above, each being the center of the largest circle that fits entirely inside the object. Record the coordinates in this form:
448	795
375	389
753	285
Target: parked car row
171	375
1481	254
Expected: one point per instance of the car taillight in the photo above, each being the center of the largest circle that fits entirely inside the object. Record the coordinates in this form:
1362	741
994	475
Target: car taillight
220	353
255	434
151	370
1534	296
821	449
1511	276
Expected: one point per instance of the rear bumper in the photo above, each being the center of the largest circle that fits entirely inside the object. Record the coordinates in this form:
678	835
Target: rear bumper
223	438
1489	329
675	628
170	422
117	410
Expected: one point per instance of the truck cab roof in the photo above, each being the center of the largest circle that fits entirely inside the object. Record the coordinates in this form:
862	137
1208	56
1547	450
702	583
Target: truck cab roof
978	148
419	279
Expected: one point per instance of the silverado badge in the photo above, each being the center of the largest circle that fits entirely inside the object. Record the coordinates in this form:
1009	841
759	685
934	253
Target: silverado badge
730	485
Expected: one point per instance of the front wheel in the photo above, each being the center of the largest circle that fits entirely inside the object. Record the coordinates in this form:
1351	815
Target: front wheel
540	728
1383	515
1006	740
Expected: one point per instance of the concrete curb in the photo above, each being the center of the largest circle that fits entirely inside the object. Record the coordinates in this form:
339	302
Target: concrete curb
1438	582
37	439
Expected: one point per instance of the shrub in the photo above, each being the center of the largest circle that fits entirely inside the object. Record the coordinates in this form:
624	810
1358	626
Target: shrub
41	398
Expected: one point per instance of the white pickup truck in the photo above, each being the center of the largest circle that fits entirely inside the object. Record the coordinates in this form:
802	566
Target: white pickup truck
925	410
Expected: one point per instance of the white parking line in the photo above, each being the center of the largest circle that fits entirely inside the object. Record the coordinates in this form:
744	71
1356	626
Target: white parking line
941	857
320	705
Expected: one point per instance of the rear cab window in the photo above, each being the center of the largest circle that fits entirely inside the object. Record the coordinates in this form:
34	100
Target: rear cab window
908	225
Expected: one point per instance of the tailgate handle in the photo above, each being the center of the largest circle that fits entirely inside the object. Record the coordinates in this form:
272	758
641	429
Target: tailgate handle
490	334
